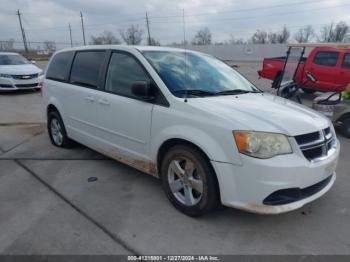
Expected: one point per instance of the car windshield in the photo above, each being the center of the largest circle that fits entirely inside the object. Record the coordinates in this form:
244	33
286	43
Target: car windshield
187	73
13	60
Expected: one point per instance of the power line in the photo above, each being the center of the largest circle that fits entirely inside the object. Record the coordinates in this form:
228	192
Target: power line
200	14
241	10
253	17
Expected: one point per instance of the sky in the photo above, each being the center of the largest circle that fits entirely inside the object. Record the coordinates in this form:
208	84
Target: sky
48	19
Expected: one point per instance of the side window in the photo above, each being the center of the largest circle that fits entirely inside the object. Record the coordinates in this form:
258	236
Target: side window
60	66
326	58
346	61
122	72
86	68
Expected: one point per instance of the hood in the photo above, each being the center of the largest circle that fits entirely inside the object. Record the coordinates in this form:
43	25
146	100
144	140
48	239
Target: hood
262	112
25	69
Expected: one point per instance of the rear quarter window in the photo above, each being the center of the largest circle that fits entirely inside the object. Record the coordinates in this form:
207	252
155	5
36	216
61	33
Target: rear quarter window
326	58
60	66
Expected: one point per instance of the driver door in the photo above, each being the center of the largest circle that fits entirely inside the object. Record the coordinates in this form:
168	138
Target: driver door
124	121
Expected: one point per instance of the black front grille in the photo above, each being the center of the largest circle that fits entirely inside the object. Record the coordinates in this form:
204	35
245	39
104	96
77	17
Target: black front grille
290	195
307	138
27	85
313	152
317	144
25	77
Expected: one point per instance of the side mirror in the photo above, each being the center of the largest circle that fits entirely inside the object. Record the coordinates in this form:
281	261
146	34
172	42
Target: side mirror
311	78
142	89
33	62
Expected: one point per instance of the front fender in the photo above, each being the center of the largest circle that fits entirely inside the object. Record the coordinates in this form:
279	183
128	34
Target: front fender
214	148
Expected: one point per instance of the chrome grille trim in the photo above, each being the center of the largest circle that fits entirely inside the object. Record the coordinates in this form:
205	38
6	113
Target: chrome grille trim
320	148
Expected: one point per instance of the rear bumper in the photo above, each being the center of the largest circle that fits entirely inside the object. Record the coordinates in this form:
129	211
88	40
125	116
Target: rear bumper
10	84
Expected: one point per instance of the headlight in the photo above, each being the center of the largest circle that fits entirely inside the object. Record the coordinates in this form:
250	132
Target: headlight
5	75
41	73
261	144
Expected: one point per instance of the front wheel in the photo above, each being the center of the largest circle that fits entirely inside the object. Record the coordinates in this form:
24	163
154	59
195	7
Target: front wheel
189	181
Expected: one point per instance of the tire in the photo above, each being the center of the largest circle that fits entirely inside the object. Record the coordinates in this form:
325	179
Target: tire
277	81
189	181
57	131
308	91
345	128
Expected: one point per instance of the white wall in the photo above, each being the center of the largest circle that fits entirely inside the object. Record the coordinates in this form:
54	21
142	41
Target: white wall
245	52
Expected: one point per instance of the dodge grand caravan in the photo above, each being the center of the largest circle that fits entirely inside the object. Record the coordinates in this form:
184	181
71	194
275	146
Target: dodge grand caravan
195	123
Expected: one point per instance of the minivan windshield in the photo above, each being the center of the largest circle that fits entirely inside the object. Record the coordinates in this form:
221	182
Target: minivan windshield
188	73
13	60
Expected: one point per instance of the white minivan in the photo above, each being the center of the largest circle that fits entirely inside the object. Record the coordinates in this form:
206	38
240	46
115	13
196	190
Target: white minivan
195	123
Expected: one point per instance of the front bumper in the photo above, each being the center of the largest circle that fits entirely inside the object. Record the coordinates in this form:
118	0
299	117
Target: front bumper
10	84
247	186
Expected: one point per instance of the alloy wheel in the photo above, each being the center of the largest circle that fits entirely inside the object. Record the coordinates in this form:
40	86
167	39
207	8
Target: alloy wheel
185	182
56	132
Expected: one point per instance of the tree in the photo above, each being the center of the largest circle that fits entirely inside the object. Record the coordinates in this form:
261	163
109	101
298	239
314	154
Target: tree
260	37
106	38
132	35
49	46
203	37
280	37
235	41
304	34
7	45
154	42
334	33
273	37
283	36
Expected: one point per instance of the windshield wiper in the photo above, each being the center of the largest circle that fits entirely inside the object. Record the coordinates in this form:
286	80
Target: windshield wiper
235	92
195	92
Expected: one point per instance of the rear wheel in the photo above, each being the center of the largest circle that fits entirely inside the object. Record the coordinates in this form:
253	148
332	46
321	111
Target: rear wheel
189	181
57	131
345	128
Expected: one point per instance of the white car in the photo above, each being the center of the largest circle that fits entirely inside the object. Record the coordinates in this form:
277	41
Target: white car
196	123
17	73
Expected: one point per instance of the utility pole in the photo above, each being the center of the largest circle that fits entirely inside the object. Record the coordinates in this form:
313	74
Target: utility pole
22	30
70	34
149	34
82	26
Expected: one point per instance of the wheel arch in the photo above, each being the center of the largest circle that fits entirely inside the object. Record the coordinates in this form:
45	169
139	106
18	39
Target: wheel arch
168	144
51	108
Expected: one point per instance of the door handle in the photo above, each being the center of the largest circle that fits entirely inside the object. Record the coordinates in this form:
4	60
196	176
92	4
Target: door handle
103	102
90	98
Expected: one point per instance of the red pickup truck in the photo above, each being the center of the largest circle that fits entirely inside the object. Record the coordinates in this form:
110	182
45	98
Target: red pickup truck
329	65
